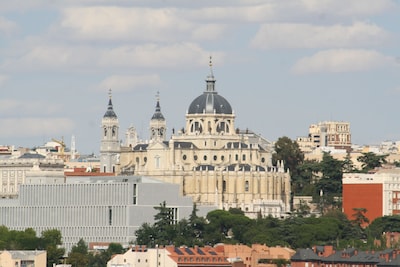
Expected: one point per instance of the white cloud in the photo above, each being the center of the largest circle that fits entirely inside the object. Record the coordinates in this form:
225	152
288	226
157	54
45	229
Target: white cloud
342	60
348	8
13	106
49	56
21	127
3	79
122	83
7	26
136	24
85	58
290	35
155	56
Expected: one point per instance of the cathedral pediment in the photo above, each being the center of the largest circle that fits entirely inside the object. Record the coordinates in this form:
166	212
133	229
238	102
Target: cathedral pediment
156	145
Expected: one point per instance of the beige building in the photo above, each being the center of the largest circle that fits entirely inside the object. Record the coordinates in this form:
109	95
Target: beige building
212	160
30	168
23	258
257	255
334	134
171	256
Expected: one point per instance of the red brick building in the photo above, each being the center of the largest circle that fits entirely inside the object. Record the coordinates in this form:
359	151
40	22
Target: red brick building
378	193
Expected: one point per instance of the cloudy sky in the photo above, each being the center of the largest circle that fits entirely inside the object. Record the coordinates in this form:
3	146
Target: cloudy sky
282	65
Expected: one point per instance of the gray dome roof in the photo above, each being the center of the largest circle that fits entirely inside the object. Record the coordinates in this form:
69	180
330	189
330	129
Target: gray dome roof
157	114
210	103
110	111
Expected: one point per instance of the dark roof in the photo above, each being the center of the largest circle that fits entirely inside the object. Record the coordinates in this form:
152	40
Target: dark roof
110	111
236	145
157	114
210	103
32	156
305	254
241	167
140	147
184	145
205	167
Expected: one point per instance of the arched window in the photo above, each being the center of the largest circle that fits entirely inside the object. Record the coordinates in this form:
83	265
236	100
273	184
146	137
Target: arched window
246	186
224	186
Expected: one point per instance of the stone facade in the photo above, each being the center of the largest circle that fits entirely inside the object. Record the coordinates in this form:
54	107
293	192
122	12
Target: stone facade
210	159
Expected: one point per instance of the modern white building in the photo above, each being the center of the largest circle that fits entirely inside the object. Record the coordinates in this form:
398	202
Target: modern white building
97	209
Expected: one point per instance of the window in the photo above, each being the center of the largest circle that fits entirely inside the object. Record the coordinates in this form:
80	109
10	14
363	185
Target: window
109	215
215	157
243	157
246	186
224	186
205	157
157	161
134	202
184	157
195	157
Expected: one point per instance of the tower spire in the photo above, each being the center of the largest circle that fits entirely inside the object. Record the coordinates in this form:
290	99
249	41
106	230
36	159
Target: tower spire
210	78
110	110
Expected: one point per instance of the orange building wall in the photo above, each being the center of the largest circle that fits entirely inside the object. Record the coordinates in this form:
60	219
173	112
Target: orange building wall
369	196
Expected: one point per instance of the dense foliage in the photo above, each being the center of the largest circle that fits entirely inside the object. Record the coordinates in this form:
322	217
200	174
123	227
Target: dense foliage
27	240
295	231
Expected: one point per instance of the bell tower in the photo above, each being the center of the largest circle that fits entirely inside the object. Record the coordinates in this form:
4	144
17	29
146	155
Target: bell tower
158	124
110	145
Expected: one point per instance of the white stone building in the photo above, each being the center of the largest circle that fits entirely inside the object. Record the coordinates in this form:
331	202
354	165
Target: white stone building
211	160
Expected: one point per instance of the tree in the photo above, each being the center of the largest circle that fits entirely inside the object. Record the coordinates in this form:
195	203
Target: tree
348	165
329	186
371	161
50	240
289	152
359	217
145	235
164	225
79	256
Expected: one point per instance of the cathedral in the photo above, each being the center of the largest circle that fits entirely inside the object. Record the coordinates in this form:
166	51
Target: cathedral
212	161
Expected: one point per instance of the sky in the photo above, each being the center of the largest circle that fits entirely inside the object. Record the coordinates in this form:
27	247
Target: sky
282	65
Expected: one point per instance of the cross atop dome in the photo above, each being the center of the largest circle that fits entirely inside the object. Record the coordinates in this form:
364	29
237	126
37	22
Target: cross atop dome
210	78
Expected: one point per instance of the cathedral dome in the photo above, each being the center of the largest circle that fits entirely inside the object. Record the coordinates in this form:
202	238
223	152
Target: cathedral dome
210	102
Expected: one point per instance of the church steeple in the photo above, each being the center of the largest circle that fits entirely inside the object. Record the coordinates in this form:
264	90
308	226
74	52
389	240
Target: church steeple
110	110
110	144
210	79
157	114
157	123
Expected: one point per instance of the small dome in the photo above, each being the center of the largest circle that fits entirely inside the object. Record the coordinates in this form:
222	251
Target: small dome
157	114
110	111
210	103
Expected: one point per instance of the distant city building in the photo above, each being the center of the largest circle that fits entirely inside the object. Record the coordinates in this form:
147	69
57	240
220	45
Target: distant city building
23	258
97	209
320	256
172	256
256	255
211	160
220	255
378	193
327	134
30	168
